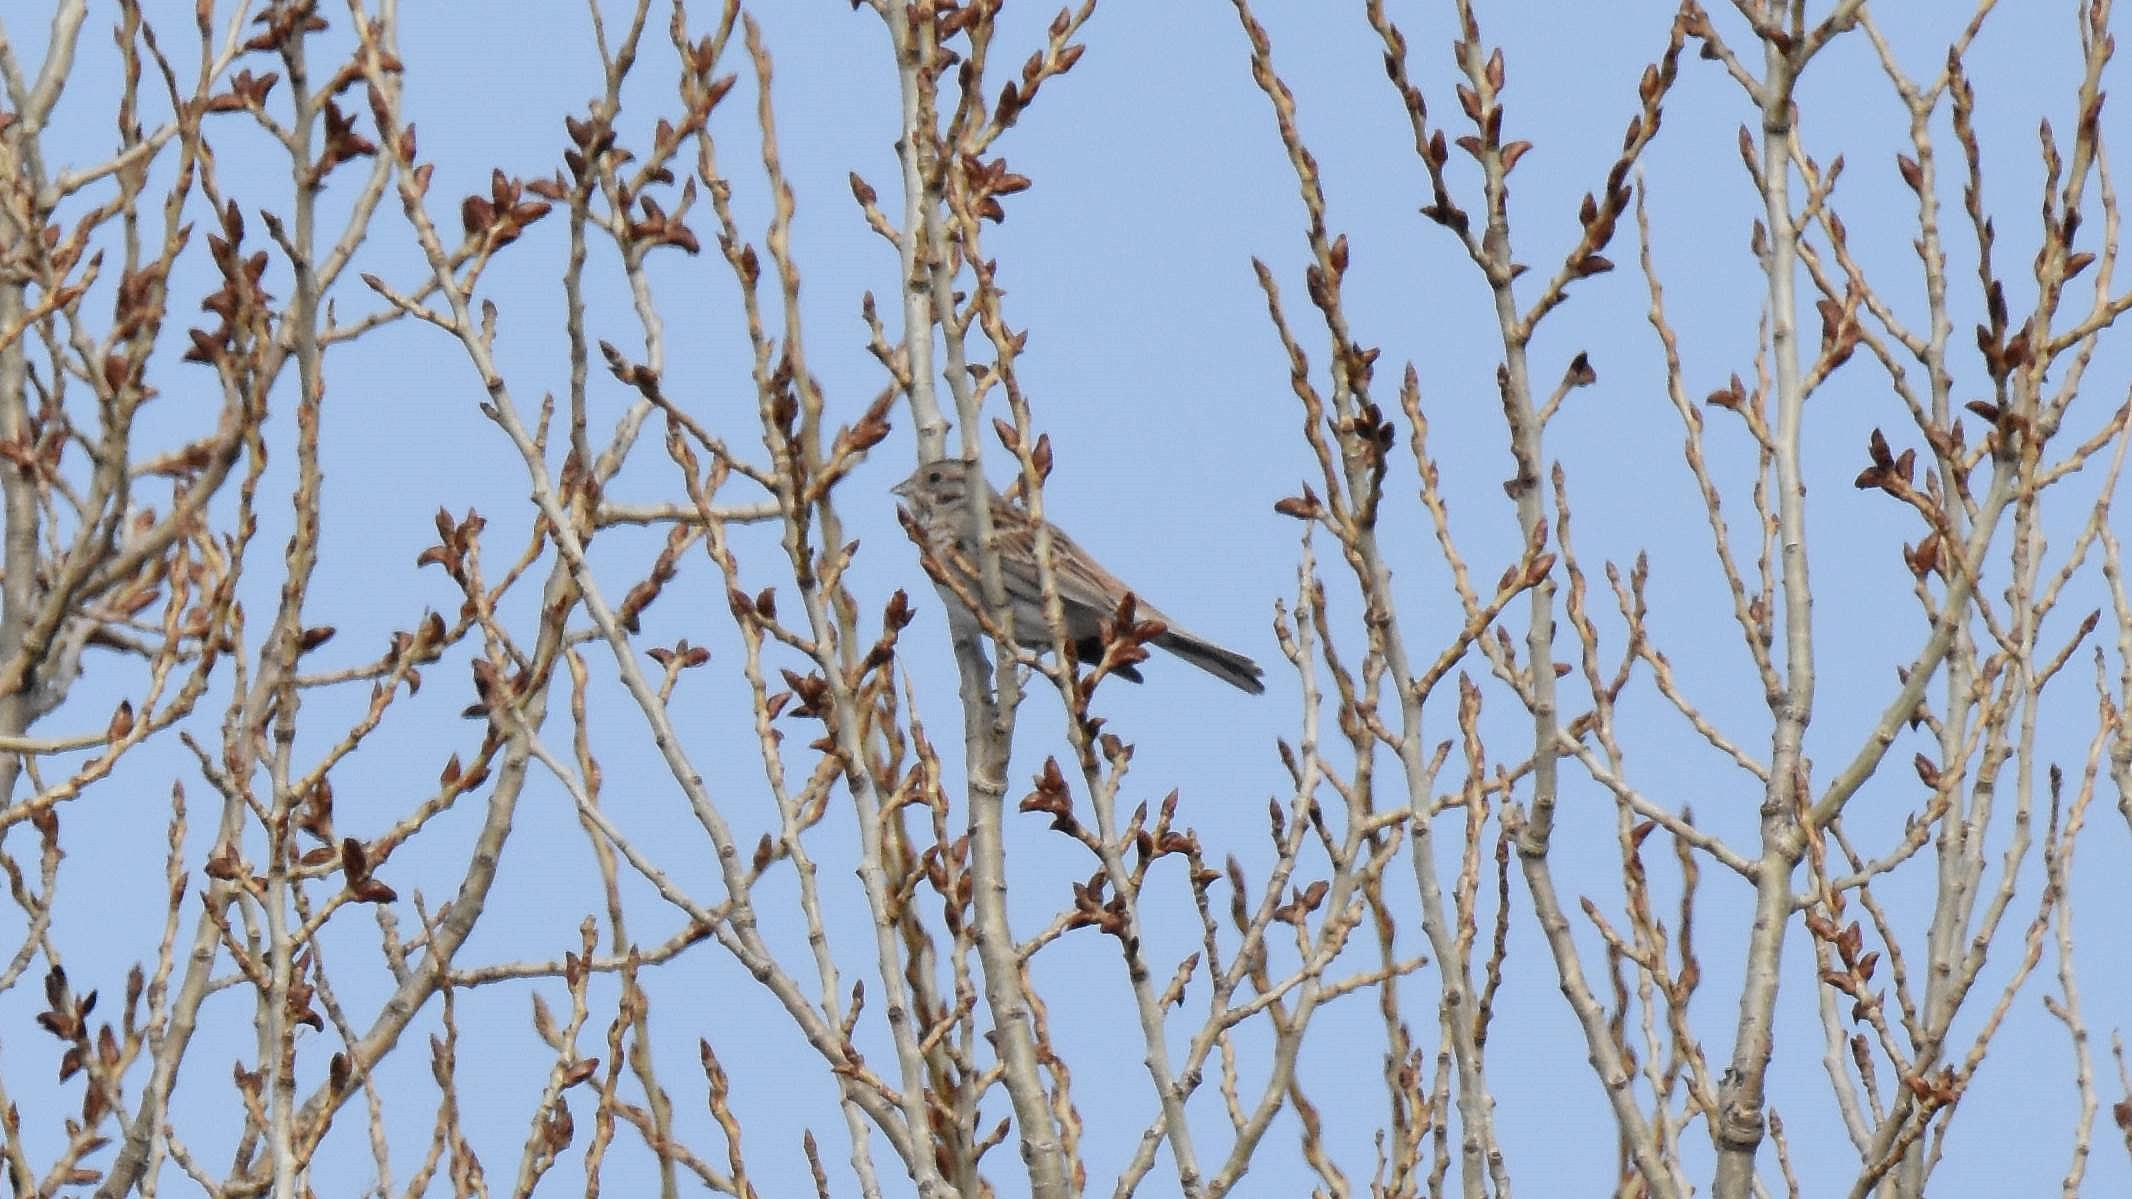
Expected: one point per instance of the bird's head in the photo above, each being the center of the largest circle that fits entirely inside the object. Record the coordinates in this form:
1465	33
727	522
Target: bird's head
934	484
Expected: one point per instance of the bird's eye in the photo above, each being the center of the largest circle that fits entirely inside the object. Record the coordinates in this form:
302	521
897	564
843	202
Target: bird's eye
933	478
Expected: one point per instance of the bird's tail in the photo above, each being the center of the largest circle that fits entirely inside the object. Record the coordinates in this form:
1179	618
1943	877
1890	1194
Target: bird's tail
1225	664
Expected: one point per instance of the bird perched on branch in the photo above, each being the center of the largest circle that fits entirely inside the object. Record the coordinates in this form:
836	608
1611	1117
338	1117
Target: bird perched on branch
940	511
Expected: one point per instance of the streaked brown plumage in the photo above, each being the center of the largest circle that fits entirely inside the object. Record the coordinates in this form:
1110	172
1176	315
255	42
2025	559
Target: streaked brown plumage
938	495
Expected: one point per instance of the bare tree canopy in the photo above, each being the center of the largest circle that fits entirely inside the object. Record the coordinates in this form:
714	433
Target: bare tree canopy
479	713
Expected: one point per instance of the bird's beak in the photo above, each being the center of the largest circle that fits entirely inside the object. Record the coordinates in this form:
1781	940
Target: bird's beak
902	489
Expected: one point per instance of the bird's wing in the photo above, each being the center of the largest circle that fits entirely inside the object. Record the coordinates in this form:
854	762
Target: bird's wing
1082	581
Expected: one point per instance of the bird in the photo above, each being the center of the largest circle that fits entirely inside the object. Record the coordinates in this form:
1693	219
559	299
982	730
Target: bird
938	495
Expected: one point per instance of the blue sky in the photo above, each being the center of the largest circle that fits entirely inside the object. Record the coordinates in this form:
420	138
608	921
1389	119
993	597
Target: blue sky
1151	364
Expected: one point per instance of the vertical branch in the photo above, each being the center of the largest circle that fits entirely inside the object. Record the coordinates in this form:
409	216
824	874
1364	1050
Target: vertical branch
942	204
1788	45
1490	249
1739	1124
929	262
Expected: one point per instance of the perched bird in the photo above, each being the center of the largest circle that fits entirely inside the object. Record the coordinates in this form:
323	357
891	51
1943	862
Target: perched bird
939	497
